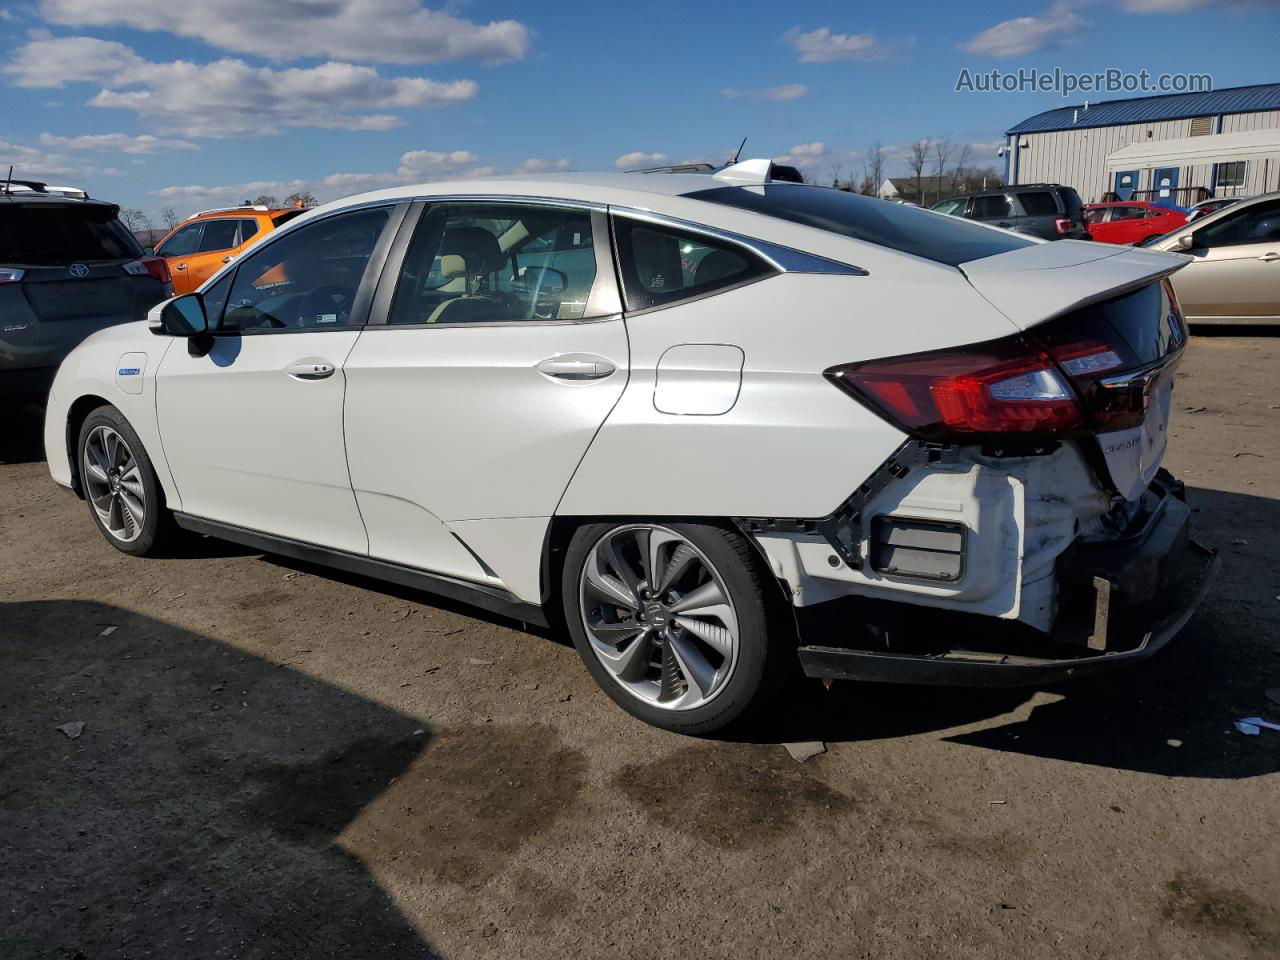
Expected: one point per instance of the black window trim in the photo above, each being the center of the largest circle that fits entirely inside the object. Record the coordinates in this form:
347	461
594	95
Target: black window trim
604	300
361	305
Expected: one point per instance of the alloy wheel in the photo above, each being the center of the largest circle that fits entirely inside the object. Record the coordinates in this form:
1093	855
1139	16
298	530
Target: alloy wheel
658	616
113	484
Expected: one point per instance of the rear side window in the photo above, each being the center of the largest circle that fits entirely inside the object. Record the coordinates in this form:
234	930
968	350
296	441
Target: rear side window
662	265
248	229
926	234
1039	203
51	235
219	235
991	208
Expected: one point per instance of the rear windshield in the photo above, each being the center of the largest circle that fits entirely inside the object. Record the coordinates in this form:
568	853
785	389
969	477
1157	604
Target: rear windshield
897	226
45	235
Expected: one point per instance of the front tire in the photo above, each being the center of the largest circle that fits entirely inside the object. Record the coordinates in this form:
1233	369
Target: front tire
672	620
120	485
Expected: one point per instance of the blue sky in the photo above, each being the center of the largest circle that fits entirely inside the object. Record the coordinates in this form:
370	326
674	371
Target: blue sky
155	103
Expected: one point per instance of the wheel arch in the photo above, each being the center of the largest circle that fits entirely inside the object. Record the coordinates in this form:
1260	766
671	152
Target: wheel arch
77	413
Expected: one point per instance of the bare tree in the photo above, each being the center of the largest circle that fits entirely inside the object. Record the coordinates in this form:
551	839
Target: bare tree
961	167
302	198
169	217
266	200
942	148
133	218
873	168
916	160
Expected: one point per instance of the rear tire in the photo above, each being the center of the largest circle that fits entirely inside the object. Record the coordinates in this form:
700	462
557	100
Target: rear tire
673	621
120	486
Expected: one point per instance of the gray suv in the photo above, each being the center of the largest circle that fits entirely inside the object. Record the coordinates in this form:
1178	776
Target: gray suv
1046	210
68	267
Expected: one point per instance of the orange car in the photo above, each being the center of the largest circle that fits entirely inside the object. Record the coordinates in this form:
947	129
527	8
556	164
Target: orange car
197	248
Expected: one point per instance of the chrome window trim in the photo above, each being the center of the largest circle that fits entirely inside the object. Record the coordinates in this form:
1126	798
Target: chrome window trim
781	258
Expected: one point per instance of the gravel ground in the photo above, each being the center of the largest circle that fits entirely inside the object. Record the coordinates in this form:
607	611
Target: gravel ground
277	761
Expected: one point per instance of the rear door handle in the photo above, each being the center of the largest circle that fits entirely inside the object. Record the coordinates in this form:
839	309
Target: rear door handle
227	259
576	366
1269	257
181	266
310	368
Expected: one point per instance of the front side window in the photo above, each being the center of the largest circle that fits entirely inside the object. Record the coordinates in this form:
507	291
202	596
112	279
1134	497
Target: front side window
661	265
308	278
896	226
1259	223
183	243
219	235
496	263
1128	213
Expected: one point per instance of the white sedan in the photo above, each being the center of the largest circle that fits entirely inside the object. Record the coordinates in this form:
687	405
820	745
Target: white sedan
721	429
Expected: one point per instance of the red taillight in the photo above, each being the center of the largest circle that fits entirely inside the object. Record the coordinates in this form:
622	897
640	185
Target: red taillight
1062	225
1003	386
155	267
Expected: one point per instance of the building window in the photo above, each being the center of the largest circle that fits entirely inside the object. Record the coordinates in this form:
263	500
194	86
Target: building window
1231	174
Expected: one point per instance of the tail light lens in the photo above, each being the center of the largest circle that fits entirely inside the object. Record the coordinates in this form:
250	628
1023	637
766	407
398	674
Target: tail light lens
1062	225
10	275
154	267
1074	373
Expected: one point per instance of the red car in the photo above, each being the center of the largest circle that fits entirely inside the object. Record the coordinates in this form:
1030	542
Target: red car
1131	222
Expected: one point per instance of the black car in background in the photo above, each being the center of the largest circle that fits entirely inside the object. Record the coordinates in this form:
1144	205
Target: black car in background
68	267
1046	210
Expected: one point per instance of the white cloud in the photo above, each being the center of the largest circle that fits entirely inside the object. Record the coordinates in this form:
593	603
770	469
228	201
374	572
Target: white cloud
229	97
1182	6
815	149
379	31
823	46
781	93
30	163
638	158
1024	35
116	142
538	165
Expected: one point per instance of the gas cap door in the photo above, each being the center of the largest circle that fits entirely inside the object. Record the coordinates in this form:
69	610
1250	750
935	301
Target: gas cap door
698	379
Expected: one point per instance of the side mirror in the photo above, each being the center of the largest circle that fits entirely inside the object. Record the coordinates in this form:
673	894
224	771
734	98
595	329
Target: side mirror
1185	242
183	316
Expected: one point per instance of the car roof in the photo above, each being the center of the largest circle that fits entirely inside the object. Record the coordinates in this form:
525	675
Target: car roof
33	199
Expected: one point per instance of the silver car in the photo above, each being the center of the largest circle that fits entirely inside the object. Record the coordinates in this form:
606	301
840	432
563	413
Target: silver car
1234	273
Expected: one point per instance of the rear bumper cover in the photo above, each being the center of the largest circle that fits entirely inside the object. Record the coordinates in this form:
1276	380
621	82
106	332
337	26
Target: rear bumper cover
1123	602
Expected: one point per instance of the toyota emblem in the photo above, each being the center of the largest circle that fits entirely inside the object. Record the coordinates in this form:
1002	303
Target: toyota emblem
78	270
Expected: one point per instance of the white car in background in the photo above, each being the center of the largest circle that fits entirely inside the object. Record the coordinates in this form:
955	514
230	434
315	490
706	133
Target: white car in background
721	428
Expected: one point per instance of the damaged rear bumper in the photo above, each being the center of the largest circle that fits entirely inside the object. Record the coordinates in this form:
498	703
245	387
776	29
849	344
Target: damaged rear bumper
1122	602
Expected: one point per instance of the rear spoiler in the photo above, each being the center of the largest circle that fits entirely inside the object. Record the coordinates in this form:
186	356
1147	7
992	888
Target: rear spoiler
1036	283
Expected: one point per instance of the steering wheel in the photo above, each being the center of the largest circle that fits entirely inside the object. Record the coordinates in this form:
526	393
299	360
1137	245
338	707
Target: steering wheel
327	299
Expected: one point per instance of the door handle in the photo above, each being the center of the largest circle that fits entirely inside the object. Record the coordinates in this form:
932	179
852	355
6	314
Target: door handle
1269	257
310	368
227	259
576	366
181	266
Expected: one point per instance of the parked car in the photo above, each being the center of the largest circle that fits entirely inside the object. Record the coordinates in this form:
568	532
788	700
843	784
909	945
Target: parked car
1206	207
68	267
205	242
1234	273
1046	210
1131	222
719	428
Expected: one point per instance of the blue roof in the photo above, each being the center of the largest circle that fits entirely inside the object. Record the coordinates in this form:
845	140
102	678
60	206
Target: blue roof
1174	106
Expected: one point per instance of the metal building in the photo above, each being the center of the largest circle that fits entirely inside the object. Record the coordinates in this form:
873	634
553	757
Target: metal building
1177	147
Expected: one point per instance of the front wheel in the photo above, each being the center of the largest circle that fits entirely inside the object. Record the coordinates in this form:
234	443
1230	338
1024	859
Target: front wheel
120	484
672	620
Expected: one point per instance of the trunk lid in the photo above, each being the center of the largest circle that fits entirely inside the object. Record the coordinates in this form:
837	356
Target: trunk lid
1100	295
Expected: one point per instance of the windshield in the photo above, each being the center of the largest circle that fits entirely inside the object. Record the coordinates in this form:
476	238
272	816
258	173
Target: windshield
48	235
897	226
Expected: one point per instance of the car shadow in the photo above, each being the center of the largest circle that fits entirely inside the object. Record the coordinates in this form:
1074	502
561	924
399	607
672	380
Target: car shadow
22	435
1172	715
192	806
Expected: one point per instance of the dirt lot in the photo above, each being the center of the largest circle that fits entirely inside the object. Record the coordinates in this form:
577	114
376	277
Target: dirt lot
281	762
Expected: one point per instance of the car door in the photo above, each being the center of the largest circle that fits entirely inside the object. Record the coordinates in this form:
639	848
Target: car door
178	249
216	248
252	429
494	353
1235	266
994	209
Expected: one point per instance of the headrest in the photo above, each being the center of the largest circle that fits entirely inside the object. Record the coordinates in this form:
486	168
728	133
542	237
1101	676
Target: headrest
717	265
477	246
